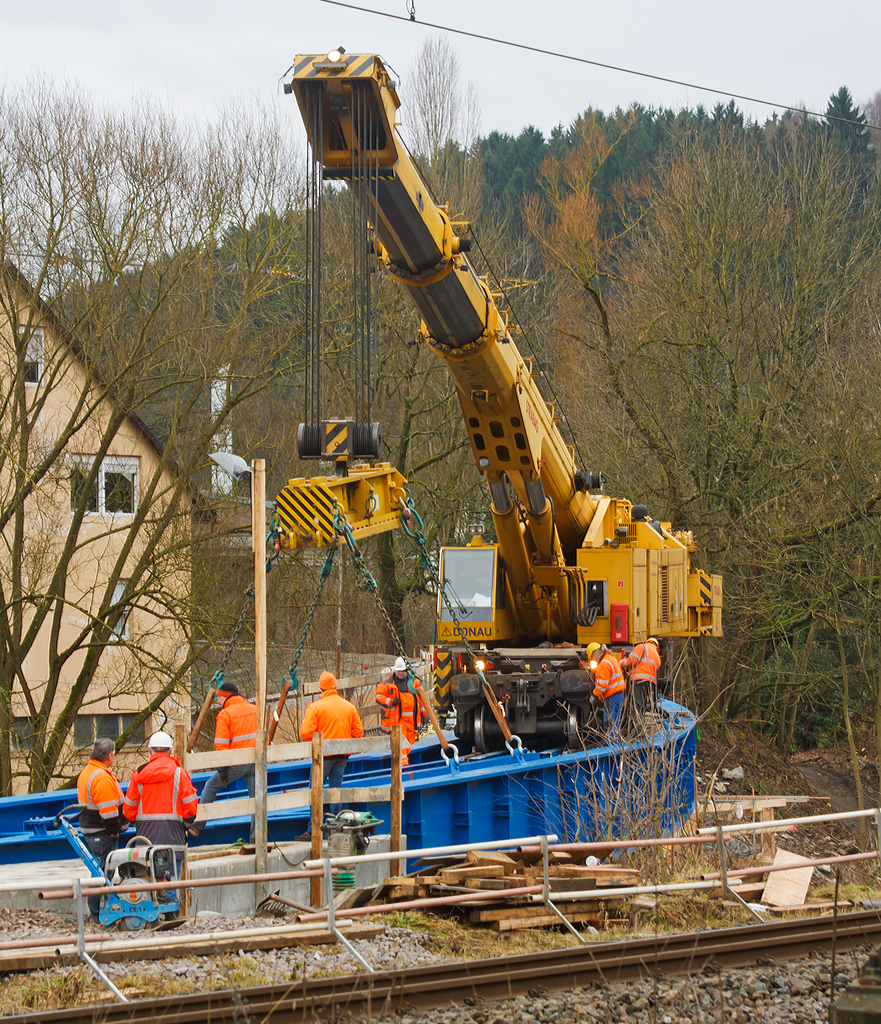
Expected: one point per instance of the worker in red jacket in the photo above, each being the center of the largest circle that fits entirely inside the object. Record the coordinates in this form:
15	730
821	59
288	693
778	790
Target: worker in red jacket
336	719
101	819
609	686
234	729
399	703
161	799
642	666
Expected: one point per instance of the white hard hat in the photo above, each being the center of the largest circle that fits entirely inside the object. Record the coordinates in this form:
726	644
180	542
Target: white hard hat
400	665
160	741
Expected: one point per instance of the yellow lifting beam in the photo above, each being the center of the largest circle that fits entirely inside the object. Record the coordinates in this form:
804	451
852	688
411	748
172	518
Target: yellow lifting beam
370	497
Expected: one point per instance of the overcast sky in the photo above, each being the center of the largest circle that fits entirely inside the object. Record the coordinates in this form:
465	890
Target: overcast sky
194	55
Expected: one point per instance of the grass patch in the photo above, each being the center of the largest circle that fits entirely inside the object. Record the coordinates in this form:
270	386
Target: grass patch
48	990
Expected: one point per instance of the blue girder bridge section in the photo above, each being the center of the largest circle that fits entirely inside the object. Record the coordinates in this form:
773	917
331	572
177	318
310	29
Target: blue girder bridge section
643	788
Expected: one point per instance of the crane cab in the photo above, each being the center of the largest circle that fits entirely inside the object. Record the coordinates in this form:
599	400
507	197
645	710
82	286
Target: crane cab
478	609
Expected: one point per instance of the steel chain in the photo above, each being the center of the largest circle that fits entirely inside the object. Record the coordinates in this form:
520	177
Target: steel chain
427	562
342	527
310	615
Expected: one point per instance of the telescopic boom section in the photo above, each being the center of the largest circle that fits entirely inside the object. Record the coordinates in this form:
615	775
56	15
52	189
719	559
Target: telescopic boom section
349	107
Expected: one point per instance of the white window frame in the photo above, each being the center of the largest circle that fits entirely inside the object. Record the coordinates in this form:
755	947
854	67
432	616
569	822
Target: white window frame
111	464
119	629
35	352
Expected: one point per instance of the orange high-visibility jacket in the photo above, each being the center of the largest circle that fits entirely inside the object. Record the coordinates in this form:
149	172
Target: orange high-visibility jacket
236	726
642	663
399	707
97	788
333	716
159	798
608	678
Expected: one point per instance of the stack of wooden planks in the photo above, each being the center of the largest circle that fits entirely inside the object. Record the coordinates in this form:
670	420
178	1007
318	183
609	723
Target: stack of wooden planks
493	873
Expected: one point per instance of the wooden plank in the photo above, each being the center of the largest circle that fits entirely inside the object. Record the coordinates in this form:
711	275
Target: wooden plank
454	876
316	802
549	918
412	880
491	883
191	945
538	910
396	799
484	857
398	892
767	840
209	759
294	798
788	888
823	905
600	872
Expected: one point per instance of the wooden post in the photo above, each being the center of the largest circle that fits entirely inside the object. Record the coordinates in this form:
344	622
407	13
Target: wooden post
276	716
200	721
178	740
429	711
258	540
317	810
767	840
396	800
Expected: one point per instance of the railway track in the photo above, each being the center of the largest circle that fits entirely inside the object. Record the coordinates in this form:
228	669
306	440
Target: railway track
427	988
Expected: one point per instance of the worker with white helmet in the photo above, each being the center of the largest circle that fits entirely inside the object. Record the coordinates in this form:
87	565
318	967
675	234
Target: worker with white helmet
161	799
400	705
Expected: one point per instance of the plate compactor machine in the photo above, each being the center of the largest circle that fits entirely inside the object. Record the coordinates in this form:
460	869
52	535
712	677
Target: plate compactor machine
138	861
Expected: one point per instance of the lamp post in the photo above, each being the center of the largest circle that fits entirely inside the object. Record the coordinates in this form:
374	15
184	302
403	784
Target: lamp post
238	469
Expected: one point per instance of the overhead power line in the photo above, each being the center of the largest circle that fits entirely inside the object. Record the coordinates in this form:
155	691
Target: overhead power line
411	19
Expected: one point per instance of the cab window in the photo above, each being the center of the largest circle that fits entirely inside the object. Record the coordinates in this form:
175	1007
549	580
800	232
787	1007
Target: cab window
469	577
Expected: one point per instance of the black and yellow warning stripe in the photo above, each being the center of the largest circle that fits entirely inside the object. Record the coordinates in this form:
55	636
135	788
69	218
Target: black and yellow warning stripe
307	509
356	66
443	674
706	586
336	439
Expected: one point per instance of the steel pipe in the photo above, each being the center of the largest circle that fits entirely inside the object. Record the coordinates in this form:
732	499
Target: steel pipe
433	851
177	883
632	890
782	824
606	846
767	868
431	901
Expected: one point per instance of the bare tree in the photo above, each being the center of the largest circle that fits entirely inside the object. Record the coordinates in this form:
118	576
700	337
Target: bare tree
140	261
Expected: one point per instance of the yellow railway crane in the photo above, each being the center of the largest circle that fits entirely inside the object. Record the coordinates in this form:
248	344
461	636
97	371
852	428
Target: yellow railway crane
570	565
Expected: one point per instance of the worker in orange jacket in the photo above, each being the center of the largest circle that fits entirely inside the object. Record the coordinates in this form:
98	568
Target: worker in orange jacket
642	666
336	719
609	686
399	703
234	729
101	819
161	799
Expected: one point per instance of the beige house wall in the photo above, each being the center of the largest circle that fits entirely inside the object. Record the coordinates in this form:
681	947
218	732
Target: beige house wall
123	682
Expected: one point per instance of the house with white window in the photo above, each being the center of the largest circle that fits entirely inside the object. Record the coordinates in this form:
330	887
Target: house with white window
94	558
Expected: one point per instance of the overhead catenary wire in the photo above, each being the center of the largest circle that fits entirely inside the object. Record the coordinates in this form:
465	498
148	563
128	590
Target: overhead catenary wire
559	55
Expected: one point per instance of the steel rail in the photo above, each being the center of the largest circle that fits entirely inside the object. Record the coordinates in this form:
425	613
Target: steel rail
445	985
